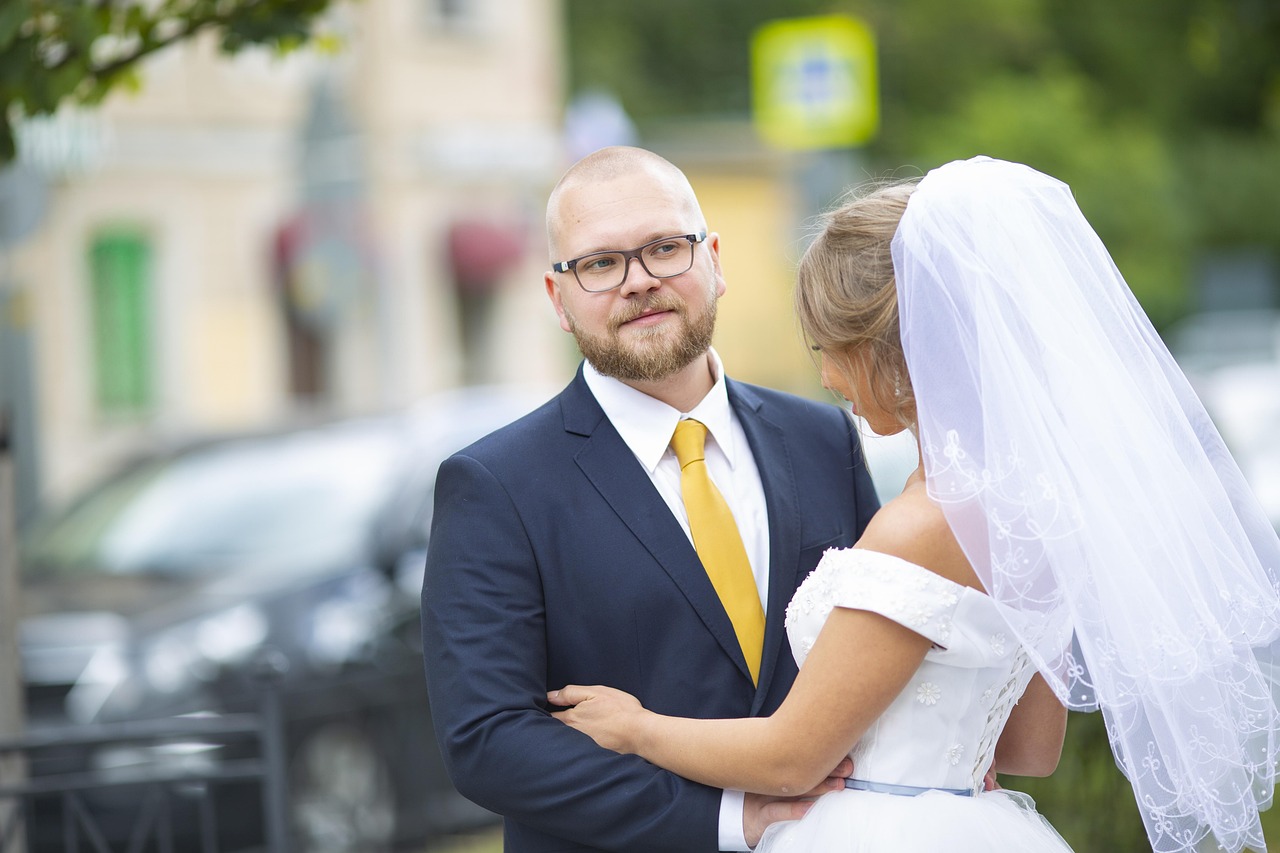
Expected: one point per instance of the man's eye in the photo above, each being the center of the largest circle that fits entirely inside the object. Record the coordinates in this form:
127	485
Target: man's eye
664	249
598	264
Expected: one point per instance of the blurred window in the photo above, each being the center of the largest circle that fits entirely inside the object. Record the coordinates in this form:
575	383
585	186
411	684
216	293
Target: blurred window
120	293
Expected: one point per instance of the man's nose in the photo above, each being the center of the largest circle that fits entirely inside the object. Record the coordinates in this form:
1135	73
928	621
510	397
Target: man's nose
641	282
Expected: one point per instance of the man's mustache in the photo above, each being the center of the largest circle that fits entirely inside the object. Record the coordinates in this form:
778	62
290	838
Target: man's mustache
651	305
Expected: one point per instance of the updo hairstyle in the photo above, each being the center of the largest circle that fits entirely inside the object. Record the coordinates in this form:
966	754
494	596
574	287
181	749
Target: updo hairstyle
846	295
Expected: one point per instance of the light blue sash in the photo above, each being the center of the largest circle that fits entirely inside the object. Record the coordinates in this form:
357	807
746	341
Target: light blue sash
904	790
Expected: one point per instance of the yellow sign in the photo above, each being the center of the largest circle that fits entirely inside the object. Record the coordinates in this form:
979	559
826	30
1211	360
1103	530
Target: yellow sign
814	82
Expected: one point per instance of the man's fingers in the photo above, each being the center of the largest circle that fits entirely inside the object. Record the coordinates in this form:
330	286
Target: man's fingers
760	811
785	810
826	786
834	782
569	695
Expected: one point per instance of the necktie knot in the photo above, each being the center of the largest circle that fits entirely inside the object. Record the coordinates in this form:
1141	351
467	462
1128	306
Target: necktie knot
689	442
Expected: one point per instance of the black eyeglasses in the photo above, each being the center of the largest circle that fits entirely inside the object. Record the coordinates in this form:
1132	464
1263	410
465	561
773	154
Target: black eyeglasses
662	258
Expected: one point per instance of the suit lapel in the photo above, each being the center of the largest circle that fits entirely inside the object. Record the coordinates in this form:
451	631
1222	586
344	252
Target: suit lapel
777	476
618	476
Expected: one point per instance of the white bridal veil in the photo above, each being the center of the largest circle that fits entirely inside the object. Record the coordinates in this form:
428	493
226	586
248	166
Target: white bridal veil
1092	494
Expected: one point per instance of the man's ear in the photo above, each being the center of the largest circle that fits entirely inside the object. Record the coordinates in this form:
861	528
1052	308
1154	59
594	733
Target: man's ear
713	248
553	293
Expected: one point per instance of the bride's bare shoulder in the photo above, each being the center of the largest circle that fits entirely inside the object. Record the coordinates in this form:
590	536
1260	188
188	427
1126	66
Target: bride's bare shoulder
914	528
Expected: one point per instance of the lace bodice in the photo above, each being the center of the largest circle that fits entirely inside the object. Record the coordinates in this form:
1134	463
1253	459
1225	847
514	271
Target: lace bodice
941	731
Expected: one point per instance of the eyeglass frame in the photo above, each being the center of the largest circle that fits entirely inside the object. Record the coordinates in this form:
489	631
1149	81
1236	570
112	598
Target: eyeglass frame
627	255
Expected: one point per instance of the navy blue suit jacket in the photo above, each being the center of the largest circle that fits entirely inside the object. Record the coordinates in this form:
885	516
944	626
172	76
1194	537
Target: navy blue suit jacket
553	560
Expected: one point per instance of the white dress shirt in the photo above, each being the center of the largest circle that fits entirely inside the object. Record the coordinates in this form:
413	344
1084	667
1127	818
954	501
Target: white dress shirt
646	425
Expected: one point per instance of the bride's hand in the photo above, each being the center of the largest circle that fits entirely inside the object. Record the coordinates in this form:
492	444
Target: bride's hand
611	717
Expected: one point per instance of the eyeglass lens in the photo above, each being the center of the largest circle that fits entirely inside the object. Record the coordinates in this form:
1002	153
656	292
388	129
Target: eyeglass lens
661	259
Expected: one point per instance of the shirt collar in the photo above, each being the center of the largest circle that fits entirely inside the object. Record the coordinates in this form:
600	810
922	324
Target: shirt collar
647	424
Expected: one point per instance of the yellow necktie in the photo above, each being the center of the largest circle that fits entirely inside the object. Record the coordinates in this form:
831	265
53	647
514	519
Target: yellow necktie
716	539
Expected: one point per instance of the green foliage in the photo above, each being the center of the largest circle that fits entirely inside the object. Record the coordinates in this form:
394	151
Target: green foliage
933	55
1234	178
1050	119
59	51
665	59
1087	799
1162	115
1183	64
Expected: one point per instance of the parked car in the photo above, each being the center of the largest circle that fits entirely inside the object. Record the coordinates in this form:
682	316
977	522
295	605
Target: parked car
169	588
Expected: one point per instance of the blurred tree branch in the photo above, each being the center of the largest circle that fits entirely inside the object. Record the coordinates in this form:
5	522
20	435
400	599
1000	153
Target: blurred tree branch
70	51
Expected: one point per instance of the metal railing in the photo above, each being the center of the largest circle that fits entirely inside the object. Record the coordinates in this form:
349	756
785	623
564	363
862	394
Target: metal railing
67	798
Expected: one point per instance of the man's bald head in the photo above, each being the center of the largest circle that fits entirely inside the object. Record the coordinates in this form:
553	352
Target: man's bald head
609	164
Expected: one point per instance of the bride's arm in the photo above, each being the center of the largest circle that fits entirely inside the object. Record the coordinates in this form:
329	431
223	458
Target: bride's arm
1031	742
858	664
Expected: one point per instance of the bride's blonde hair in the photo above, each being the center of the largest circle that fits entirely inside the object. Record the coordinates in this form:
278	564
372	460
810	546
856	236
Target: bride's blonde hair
846	297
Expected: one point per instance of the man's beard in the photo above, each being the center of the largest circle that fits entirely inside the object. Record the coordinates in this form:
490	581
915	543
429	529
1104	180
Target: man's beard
649	355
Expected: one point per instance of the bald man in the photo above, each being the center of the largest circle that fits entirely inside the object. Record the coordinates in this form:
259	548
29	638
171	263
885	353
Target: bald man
561	552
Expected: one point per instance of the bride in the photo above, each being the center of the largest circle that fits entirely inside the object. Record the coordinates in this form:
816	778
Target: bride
1076	536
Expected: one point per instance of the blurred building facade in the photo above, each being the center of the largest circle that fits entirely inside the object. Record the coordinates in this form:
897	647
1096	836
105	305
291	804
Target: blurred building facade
249	238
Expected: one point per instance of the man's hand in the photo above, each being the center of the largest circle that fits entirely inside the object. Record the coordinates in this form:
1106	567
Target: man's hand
758	810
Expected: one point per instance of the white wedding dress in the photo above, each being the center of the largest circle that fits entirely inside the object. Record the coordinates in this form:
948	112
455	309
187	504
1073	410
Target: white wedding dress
918	771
